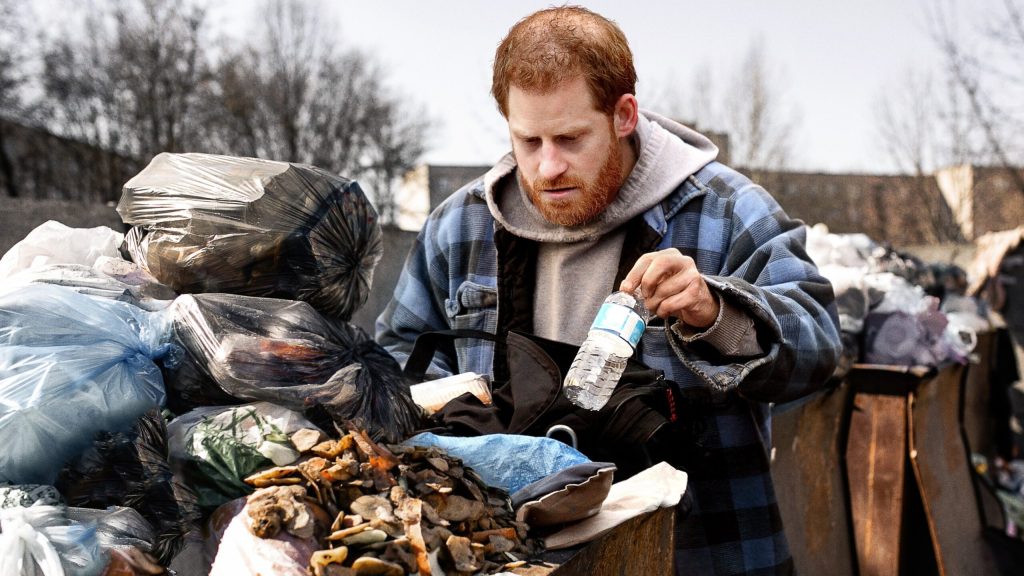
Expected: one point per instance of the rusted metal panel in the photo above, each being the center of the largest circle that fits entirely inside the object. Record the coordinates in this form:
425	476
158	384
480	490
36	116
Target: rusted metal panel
940	464
875	463
642	545
977	419
808	476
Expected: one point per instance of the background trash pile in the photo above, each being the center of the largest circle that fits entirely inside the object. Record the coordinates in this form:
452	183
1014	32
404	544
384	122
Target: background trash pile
142	376
997	271
1005	478
893	308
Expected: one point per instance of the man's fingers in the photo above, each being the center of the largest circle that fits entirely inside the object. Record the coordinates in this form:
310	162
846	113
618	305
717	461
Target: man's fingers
632	280
670	284
675	285
659	271
695	306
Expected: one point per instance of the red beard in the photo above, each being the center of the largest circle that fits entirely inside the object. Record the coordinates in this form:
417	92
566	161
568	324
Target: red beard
592	198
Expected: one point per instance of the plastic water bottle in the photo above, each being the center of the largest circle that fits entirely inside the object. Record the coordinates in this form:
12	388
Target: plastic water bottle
602	358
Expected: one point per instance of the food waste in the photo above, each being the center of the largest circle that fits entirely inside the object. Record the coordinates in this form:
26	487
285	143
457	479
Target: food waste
388	510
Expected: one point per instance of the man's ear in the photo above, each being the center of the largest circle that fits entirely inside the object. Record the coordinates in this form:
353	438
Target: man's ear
626	115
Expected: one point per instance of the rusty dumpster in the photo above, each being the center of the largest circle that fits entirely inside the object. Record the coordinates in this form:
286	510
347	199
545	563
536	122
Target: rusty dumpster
908	470
810	483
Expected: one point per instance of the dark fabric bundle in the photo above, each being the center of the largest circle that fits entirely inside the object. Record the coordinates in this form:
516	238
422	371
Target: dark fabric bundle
241	349
208	223
131	469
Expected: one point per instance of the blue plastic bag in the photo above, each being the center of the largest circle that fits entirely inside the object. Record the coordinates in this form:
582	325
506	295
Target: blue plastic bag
71	366
506	461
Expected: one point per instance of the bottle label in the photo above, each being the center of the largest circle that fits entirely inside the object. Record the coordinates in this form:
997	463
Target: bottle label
621	321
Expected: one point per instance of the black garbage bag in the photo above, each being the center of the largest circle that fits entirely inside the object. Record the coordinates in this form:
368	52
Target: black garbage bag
243	349
206	223
131	469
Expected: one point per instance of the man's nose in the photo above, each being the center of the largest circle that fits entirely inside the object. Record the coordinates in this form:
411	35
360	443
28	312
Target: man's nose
552	163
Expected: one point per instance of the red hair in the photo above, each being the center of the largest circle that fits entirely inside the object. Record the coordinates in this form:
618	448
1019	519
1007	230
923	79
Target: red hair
556	45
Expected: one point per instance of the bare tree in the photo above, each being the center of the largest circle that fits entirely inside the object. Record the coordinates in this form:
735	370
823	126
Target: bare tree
913	125
988	69
126	86
694	102
757	118
294	95
394	151
906	121
129	80
701	96
161	67
13	77
671	98
750	108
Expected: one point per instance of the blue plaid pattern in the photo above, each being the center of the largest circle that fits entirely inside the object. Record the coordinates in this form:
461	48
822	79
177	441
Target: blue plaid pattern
751	253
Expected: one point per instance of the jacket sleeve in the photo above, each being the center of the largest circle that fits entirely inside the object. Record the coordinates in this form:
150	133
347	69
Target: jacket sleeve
418	302
767	274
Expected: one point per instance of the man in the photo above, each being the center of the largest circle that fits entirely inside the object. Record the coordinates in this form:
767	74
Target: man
595	196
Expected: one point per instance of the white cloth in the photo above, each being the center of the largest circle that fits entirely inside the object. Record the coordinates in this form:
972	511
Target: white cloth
659	486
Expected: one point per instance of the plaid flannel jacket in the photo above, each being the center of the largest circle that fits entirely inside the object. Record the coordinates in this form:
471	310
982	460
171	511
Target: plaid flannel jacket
751	253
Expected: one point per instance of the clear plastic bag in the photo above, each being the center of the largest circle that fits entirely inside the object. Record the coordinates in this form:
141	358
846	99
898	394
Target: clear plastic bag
216	447
241	348
208	223
111	278
54	243
506	461
34	540
71	366
58	541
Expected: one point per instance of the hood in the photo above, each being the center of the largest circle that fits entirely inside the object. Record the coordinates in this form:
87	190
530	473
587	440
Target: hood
668	153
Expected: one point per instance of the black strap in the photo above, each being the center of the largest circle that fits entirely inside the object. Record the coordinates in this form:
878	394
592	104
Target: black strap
428	343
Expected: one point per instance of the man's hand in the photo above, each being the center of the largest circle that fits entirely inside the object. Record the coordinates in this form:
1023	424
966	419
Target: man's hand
672	286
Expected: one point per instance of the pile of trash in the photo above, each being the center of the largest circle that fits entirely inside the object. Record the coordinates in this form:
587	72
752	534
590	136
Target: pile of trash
144	375
376	510
893	308
191	394
1005	479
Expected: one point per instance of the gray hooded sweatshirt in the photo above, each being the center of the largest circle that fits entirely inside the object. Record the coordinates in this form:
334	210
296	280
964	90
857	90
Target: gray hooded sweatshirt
576	266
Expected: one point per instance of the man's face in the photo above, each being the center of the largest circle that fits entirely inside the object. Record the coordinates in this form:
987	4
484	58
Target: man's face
570	162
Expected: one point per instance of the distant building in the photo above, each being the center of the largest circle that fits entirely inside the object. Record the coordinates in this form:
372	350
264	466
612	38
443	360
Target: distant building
982	199
896	209
953	205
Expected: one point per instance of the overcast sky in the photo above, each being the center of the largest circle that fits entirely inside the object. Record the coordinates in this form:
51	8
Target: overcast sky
835	58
